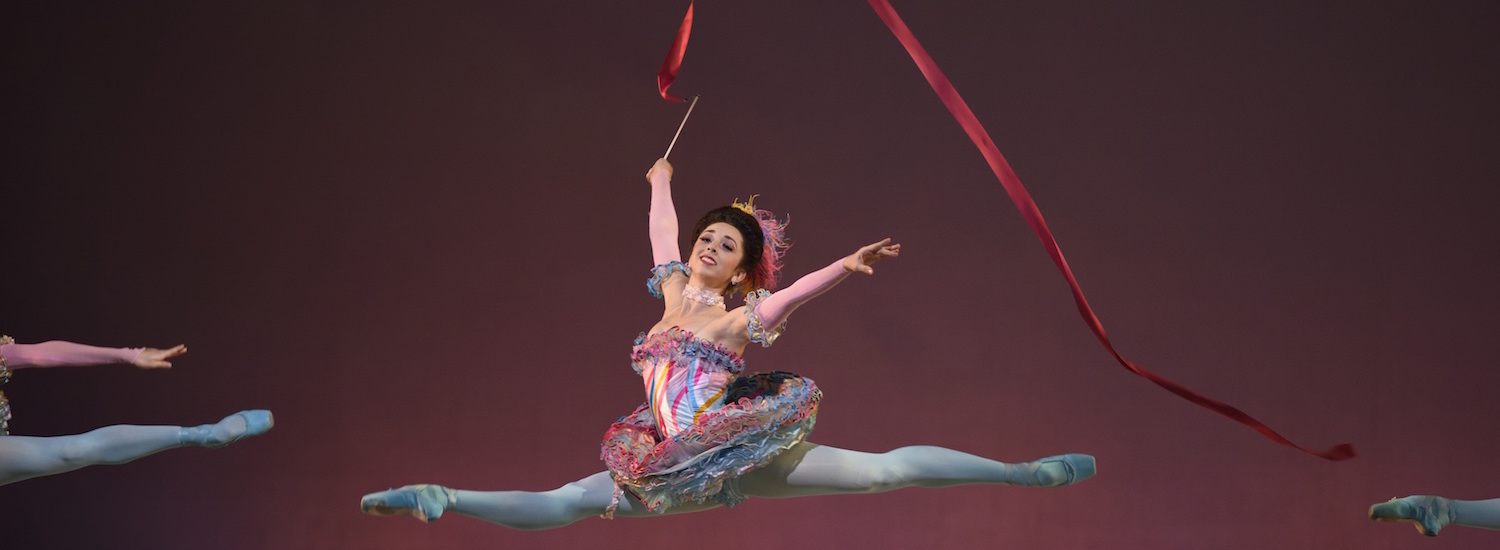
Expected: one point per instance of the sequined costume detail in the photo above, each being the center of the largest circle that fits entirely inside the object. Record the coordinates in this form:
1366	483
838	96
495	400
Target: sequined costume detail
4	377
704	423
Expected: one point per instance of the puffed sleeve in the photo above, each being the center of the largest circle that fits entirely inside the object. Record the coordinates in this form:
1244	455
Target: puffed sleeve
760	334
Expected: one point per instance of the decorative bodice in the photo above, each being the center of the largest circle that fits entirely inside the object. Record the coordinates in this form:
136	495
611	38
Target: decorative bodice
684	376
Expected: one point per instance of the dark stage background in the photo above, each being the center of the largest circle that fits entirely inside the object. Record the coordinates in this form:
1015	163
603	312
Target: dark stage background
417	233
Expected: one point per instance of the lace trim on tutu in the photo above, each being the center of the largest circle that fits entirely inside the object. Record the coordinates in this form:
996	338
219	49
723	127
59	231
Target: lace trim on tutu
695	465
661	273
4	377
4	370
678	343
758	333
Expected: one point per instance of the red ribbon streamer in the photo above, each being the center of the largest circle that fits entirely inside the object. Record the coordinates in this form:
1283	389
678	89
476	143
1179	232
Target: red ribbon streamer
1033	216
673	62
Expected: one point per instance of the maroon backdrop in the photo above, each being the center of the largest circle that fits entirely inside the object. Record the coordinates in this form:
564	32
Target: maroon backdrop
417	233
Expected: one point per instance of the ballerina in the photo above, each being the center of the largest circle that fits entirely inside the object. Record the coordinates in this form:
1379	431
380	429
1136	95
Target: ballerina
708	435
25	457
1430	513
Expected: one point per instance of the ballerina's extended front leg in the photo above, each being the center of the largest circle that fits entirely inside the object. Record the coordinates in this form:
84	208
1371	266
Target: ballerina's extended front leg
23	457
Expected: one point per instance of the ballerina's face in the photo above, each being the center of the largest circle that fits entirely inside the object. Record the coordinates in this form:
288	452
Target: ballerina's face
717	254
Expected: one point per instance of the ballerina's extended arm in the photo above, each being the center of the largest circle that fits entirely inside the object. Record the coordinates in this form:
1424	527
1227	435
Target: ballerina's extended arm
663	216
663	230
775	309
58	353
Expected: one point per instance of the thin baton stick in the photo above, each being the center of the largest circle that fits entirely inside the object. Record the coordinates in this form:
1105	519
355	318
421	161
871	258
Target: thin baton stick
679	126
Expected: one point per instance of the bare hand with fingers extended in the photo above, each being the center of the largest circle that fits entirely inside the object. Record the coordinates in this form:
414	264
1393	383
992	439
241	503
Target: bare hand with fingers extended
860	260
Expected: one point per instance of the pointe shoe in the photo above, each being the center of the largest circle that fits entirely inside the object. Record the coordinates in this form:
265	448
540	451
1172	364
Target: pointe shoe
424	502
257	422
1057	471
1428	513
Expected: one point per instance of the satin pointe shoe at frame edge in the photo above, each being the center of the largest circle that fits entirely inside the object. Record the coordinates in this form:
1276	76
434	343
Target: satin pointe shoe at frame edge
1428	513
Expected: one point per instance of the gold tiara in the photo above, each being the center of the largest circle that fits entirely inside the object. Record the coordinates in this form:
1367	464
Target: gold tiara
748	206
